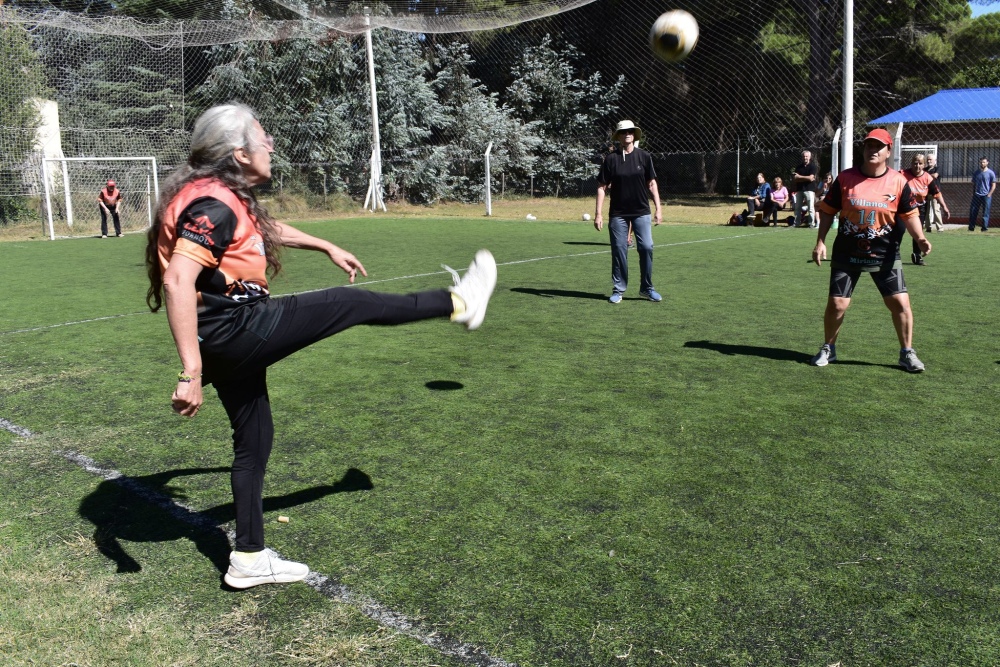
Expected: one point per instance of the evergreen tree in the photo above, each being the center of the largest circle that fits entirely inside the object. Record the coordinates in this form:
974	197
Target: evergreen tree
569	108
476	120
22	82
415	166
309	104
977	48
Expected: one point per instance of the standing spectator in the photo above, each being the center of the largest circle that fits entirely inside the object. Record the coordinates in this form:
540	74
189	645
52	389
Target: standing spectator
107	200
804	190
984	182
209	253
876	208
779	198
924	189
933	207
759	200
629	175
823	190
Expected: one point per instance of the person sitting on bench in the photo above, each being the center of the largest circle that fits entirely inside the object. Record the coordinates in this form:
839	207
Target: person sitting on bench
779	199
760	200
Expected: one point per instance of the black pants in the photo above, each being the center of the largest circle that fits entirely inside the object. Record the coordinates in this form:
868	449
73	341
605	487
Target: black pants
238	369
767	206
922	208
114	218
772	215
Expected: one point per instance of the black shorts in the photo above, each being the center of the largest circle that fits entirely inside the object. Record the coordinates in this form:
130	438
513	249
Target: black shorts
889	283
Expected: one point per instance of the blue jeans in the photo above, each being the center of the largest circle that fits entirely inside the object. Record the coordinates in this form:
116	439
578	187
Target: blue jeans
984	202
643	230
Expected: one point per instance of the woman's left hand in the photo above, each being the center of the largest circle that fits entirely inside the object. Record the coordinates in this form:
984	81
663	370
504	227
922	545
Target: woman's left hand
187	397
348	262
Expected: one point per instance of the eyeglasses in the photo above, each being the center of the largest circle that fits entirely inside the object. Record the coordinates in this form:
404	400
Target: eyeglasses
268	142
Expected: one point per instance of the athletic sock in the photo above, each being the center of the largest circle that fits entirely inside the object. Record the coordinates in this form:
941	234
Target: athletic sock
457	304
247	557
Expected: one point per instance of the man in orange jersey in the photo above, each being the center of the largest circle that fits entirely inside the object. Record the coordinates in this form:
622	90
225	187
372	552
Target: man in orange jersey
876	208
925	191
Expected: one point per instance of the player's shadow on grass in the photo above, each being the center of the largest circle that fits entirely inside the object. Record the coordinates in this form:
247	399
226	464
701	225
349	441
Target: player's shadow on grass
150	509
572	294
586	243
776	353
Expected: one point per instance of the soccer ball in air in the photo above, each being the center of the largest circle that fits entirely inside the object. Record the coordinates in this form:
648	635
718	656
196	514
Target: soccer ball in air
673	35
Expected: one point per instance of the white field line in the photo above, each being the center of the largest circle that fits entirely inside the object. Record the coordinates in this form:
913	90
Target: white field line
409	277
328	587
67	324
15	429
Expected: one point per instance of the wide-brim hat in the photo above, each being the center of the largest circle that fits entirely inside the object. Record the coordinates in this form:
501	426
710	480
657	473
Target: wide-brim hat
624	126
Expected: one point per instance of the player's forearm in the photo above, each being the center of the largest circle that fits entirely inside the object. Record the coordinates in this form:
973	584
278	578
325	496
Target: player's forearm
914	227
600	201
940	198
295	238
182	316
825	223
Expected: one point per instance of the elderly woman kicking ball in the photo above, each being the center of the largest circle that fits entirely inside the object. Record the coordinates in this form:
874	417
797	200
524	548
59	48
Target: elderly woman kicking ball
209	254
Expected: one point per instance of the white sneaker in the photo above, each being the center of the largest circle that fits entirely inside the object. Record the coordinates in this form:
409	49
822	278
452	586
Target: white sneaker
824	356
267	569
475	288
910	362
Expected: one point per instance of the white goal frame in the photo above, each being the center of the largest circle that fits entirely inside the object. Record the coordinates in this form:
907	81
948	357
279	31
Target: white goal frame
152	185
926	149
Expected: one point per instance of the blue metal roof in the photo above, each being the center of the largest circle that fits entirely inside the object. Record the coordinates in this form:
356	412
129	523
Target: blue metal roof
949	106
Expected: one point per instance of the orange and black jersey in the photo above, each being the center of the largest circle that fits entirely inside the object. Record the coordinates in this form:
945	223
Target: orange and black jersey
923	187
109	197
208	223
872	211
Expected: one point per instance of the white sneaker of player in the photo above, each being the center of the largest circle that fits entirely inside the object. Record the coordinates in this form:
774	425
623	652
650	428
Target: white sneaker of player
267	569
824	357
910	363
475	289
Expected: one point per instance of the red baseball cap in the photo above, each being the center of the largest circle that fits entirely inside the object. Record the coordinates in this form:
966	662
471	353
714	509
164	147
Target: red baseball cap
111	184
880	135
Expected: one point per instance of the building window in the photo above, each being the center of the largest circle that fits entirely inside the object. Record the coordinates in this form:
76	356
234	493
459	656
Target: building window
958	160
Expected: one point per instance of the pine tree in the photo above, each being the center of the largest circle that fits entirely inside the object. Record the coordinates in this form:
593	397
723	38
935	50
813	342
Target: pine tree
477	119
22	82
569	107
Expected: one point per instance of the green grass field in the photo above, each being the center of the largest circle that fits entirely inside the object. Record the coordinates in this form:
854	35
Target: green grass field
576	483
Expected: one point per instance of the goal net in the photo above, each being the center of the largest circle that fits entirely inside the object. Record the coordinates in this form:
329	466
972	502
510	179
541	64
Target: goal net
72	186
543	80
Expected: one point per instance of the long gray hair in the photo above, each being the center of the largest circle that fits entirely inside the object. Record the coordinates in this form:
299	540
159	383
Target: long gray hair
217	133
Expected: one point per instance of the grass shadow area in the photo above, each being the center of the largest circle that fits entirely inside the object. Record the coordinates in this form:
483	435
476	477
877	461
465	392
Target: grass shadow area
149	508
552	293
775	353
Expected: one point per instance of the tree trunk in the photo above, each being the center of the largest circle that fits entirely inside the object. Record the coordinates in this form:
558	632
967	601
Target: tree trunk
823	21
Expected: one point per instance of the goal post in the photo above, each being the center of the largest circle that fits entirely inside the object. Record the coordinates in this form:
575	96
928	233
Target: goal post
71	185
907	151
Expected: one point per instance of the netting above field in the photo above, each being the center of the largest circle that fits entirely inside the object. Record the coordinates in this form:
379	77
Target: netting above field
544	81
